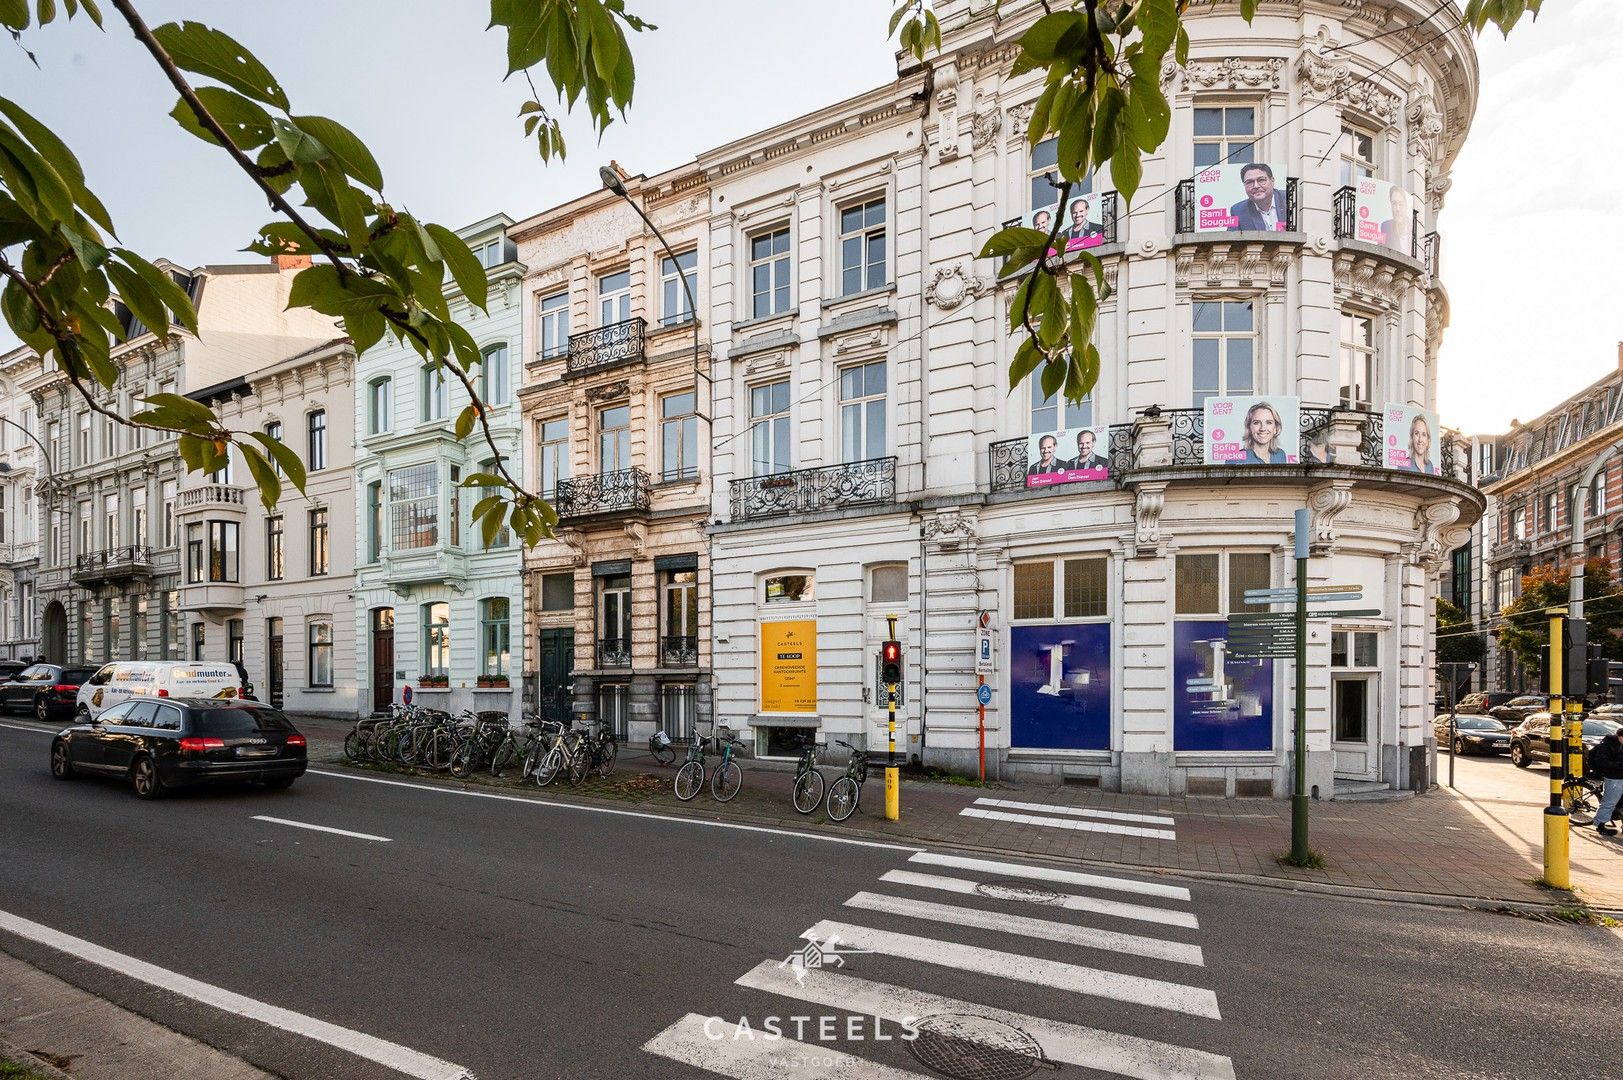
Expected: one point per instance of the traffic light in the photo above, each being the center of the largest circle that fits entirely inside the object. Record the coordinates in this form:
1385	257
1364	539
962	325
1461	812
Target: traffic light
1599	672
1574	657
890	663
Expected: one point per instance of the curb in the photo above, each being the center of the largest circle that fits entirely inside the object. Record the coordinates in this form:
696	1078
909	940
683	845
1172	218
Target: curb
16	1055
1359	892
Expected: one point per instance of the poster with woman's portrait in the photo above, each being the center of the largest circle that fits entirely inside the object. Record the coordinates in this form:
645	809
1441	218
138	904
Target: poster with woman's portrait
1386	215
1253	431
1411	439
1067	455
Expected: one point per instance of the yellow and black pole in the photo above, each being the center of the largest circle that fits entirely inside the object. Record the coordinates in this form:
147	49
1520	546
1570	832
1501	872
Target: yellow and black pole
1556	872
890	671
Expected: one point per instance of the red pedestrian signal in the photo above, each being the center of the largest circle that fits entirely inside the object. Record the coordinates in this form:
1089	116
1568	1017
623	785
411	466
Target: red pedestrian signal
890	663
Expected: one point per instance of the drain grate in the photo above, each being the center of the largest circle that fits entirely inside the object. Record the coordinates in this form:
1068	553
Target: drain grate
969	1047
1018	890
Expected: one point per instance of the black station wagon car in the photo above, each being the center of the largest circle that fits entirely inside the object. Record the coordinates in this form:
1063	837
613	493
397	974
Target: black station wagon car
159	744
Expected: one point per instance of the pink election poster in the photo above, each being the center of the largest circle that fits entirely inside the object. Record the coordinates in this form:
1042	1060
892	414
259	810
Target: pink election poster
1253	431
1064	457
1411	439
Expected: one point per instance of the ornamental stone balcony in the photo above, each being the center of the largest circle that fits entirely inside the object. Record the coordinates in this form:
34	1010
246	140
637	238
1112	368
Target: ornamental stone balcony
625	492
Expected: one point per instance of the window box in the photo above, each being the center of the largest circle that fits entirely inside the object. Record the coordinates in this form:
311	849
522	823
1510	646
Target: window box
492	682
434	682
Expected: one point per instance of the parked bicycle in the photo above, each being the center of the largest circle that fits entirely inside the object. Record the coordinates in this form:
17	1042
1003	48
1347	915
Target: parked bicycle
515	747
724	781
808	791
660	747
846	792
593	752
478	744
1581	796
551	752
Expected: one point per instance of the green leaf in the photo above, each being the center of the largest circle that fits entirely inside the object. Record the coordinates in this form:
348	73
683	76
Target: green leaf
192	412
321	289
285	458
1159	21
1125	172
1180	48
56	152
139	297
1047	38
491	525
1026	358
265	478
23	167
465	421
483	479
466	271
348	150
88	250
1008	241
173	296
300	146
248	124
206	51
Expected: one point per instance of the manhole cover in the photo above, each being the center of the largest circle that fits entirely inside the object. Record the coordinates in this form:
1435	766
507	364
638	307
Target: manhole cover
1017	890
969	1047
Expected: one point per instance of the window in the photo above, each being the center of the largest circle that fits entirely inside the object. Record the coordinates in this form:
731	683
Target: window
678	436
888	584
1552	501
680	617
223	551
436	393
198	640
1224	347
233	640
614	438
1357	361
494	383
1034	590
109	437
558	592
437	638
1357	155
504	535
769	273
1518	524
86	628
414	507
170	645
490	253
138	629
81	453
316	457
554	315
1055	413
169	514
862	411
320	656
1354	649
614	298
552	438
275	553
1224	135
456	506
862	247
1205	582
194	553
138	517
273	430
227	472
378	406
320	556
109	519
374	521
1597	495
674	308
614	620
769	428
85	540
494	628
790	588
1082	583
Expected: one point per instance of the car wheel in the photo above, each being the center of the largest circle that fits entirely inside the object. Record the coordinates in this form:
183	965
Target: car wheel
42	709
144	774
81	715
61	764
1459	746
1518	756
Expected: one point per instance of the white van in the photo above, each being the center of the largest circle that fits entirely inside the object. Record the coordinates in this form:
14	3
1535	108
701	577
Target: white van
120	681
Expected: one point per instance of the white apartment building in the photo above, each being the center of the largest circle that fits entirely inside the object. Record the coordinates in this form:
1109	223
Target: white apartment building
23	472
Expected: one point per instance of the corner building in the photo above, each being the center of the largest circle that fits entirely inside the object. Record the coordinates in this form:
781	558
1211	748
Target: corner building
870	461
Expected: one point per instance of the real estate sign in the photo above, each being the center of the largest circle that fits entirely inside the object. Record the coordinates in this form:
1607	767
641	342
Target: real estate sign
789	666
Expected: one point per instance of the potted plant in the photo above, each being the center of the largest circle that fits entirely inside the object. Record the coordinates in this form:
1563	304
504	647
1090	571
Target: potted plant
434	682
499	681
483	682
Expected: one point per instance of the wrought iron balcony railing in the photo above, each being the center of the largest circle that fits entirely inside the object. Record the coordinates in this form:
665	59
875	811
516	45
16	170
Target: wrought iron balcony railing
115	564
1109	222
613	652
606	345
1345	203
626	491
1186	216
678	651
831	487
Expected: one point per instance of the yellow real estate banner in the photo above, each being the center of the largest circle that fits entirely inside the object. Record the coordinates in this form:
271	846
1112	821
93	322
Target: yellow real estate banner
789	666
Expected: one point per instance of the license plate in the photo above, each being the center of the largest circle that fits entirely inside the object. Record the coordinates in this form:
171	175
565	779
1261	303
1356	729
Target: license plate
256	751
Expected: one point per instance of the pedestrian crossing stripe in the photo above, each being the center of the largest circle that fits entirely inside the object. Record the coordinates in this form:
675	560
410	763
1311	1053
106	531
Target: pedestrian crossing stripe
688	1042
1077	811
1074	825
1070	902
1052	873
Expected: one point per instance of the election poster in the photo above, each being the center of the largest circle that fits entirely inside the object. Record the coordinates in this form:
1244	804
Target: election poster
1253	431
1218	703
789	666
1410	438
1066	456
1241	198
1081	223
1059	686
1385	215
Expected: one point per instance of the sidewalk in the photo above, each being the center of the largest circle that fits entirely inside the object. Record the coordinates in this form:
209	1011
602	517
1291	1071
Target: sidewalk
1440	845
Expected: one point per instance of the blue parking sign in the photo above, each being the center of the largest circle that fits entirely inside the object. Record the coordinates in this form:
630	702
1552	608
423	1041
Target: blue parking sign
984	694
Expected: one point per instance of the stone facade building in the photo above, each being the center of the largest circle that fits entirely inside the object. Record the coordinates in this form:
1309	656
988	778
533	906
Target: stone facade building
24	473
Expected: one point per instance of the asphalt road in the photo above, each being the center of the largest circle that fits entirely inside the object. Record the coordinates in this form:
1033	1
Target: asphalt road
516	938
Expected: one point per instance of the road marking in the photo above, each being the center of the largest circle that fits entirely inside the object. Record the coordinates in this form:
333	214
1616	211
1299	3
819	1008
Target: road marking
759	1057
966	887
322	828
1157	993
35	730
391	1055
1070	1044
1077	811
1049	873
549	804
1177	952
1066	823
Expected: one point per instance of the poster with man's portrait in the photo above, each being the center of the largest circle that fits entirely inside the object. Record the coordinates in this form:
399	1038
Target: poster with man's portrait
1411	440
1253	431
1067	455
1081	223
1386	215
1241	198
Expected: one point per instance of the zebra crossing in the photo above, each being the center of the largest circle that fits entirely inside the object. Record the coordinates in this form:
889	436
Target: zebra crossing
1072	818
978	1040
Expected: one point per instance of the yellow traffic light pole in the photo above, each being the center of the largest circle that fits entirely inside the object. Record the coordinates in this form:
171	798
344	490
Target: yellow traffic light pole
893	786
1556	867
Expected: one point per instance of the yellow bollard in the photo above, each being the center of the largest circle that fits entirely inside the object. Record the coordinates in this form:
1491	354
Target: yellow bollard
1556	874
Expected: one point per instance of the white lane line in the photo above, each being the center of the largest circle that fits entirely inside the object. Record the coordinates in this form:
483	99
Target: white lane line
322	828
1068	1044
35	730
1068	901
1050	873
391	1055
1068	823
547	804
1077	811
1176	952
1156	993
756	1058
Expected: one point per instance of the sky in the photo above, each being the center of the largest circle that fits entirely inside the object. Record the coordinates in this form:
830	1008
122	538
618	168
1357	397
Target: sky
1529	254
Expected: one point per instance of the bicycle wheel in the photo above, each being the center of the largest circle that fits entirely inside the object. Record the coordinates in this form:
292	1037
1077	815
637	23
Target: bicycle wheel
464	761
606	755
663	755
580	760
551	764
1581	801
505	755
689	780
441	748
842	798
726	780
355	746
808	791
532	759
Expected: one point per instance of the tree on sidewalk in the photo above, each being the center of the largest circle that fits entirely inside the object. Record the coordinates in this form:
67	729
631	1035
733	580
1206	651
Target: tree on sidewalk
1527	618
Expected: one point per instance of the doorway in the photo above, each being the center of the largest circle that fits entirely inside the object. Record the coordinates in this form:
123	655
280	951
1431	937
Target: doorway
557	667
382	659
55	638
273	662
1355	728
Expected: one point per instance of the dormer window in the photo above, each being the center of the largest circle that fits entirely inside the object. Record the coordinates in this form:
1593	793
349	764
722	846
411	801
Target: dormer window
490	252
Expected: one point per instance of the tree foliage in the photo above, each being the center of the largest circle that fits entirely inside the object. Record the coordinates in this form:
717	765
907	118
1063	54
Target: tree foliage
1458	641
382	271
1527	618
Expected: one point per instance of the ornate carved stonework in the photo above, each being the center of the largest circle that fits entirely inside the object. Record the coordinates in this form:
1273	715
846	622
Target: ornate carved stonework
1433	521
1437	185
946	111
767	361
637	533
950	526
1019	117
1327	501
608	391
1425	128
1233	265
1150	500
950	286
859	342
1372	280
983	128
1232	73
1335	79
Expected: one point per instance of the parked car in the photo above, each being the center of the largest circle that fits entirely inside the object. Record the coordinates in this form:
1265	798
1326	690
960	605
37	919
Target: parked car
1530	740
1519	708
1482	701
178	742
1472	734
44	690
122	680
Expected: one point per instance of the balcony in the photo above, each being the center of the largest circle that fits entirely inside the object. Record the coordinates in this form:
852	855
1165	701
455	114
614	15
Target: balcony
212	596
1422	247
614	652
116	564
212	497
806	491
605	347
1010	458
623	492
1186	217
678	652
1107	220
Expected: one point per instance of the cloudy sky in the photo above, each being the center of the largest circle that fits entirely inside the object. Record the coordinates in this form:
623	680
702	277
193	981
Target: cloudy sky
1530	257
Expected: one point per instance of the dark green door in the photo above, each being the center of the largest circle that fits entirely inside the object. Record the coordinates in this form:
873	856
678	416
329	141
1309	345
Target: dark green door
557	665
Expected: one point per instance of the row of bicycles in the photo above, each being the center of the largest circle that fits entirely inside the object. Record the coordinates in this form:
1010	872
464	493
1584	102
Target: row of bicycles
465	743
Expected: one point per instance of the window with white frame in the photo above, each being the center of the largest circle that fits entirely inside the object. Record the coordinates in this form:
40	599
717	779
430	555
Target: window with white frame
1504	588
504	535
1597	495
678	436
374	521
495	656
490	253
769	428
436	393
1054	413
275	549
1552	503
679	616
110	531
1215	584
553	312
320	553
674	307
317	441
81	455
552	443
862	246
320	672
1225	134
494	382
1043	172
378	403
273	430
614	298
614	438
1224	349
437	638
167	491
1358	361
1075	587
414	507
1357	148
1355	649
862	411
769	273
1518	524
